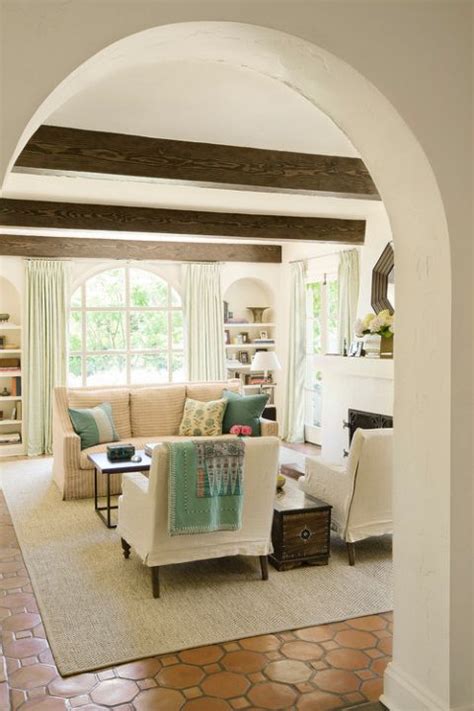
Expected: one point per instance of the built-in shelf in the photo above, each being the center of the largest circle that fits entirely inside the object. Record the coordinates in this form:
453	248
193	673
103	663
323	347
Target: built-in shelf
8	398
248	325
10	351
11	374
10	422
9	326
249	346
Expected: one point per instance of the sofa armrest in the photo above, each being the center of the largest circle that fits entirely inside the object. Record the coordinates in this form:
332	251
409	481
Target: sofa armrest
268	428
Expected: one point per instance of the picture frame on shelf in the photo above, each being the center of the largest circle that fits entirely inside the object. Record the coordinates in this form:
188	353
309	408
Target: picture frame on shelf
263	334
244	357
245	336
227	337
2	342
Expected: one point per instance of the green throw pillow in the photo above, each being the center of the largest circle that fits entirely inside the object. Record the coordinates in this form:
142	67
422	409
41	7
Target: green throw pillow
245	410
202	418
94	425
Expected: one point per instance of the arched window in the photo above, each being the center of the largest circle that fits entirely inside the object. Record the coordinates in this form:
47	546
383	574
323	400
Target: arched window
125	328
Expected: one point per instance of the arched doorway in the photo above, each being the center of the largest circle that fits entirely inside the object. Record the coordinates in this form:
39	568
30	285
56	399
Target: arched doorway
408	187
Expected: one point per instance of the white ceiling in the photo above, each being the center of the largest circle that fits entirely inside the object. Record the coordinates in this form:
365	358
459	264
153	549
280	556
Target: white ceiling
204	101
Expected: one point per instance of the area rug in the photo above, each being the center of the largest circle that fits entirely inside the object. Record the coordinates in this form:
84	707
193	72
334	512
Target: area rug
98	609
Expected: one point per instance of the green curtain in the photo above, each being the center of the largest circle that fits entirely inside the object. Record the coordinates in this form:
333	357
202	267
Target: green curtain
204	322
47	294
294	414
348	287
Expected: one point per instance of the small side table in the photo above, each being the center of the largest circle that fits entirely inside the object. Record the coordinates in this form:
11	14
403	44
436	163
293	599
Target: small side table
301	529
102	465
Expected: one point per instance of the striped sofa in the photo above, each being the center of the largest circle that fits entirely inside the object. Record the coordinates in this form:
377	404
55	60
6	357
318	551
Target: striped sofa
141	415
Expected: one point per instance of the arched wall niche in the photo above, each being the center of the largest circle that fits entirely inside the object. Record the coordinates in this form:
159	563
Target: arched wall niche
249	291
419	674
10	300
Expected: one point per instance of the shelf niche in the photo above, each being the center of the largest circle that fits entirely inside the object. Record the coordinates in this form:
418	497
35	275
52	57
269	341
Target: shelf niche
249	291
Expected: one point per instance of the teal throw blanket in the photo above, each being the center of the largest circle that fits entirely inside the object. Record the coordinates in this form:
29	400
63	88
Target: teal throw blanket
205	486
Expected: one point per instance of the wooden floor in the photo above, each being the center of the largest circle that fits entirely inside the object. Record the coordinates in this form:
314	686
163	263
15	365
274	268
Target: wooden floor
307	448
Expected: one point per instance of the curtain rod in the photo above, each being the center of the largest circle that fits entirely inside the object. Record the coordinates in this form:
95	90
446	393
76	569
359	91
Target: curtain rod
318	256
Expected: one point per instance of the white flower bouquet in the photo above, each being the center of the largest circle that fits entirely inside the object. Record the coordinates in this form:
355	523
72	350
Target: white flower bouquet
382	324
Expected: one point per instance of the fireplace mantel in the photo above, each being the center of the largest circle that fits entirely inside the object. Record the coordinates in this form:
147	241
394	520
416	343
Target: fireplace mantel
357	383
356	367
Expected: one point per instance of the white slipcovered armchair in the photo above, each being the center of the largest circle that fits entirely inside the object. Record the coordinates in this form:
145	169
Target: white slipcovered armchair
143	514
360	491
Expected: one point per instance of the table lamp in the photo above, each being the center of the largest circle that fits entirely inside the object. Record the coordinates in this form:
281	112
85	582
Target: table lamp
266	361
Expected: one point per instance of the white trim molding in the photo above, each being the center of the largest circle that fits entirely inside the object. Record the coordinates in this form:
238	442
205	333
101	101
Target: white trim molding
403	693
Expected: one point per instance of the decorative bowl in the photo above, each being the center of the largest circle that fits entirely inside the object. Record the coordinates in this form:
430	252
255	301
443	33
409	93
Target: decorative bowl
4	317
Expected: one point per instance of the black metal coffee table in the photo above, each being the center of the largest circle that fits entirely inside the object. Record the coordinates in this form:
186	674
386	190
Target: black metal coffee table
102	465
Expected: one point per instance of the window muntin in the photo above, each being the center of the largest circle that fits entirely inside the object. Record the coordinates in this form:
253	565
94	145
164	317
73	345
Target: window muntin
125	328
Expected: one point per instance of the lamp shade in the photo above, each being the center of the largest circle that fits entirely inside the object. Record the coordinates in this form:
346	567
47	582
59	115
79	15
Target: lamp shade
265	360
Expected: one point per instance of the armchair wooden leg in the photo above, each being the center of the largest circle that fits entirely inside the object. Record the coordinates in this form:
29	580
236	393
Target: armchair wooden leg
264	566
155	580
125	548
351	553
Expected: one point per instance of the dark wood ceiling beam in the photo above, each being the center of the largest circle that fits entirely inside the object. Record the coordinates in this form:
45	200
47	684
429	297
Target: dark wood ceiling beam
57	148
119	218
76	248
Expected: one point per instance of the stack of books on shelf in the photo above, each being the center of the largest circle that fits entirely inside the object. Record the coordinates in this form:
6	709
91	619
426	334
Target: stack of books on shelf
264	341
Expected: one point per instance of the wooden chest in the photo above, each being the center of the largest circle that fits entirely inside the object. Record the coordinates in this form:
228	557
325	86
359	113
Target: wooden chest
301	529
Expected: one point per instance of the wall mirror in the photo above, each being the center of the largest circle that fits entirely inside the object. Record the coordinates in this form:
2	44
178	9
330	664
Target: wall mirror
383	281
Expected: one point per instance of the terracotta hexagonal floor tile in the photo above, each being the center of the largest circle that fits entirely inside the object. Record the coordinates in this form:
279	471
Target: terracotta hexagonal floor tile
16	600
316	634
379	665
44	703
142	669
348	659
225	685
385	645
264	643
180	676
35	675
319	701
355	639
72	685
13	583
372	688
159	700
302	650
206	703
21	621
271	695
290	671
202	655
368	624
114	691
243	661
27	647
337	681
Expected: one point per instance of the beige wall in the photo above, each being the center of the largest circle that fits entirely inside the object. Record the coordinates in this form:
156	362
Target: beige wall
418	55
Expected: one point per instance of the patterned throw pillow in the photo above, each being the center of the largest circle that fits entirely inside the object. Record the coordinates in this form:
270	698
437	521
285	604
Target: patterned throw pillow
202	418
94	425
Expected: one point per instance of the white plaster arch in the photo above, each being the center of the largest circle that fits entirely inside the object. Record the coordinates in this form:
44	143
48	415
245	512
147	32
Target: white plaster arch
408	187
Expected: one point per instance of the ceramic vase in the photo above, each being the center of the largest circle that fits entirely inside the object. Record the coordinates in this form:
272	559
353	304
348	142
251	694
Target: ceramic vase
372	344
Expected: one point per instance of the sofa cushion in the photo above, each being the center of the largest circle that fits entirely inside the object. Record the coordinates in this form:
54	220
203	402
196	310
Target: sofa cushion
202	418
244	411
119	399
210	391
94	425
157	411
